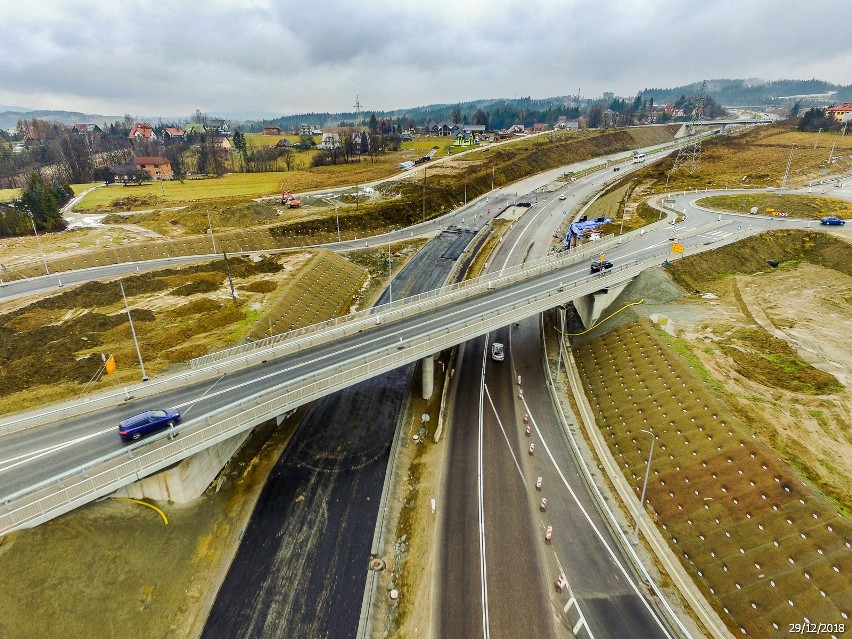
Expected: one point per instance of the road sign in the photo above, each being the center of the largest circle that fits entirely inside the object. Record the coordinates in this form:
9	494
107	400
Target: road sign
677	248
780	214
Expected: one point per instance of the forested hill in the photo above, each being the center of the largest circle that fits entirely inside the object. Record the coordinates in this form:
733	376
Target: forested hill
755	92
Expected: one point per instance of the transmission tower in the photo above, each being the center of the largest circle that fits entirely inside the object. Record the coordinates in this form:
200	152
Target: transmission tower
357	111
689	154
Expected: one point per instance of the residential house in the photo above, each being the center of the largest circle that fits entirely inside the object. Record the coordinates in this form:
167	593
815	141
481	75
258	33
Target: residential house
841	112
284	143
307	129
476	129
83	129
222	143
538	127
465	138
271	129
329	141
173	133
516	129
444	129
142	131
158	167
124	173
218	126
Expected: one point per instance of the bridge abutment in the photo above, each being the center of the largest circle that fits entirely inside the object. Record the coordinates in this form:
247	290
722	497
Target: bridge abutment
589	307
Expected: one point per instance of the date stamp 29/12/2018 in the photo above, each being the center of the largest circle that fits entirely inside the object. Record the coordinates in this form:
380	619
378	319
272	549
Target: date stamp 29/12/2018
808	628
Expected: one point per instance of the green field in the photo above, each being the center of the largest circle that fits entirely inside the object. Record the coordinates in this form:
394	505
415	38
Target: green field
810	207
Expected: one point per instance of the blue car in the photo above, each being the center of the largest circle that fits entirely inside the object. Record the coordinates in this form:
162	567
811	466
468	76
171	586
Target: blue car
832	220
148	422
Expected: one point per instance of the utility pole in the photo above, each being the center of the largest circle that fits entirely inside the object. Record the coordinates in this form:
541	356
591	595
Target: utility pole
133	332
336	217
38	241
210	227
390	273
424	193
786	178
230	281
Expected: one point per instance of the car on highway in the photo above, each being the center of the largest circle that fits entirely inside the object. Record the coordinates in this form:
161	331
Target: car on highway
832	220
598	266
147	423
498	353
562	197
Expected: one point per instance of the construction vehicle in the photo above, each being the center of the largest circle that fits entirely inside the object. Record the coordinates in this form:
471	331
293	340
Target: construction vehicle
290	200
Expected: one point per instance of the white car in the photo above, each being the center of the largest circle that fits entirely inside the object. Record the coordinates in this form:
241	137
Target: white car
562	197
498	354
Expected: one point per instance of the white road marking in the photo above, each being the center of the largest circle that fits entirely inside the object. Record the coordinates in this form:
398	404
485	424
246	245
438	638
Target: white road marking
483	572
32	455
508	445
597	532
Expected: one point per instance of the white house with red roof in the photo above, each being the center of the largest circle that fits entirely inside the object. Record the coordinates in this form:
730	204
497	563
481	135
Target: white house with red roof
142	131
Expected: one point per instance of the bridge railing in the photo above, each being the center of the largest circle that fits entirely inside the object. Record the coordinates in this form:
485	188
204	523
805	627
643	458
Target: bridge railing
102	476
416	303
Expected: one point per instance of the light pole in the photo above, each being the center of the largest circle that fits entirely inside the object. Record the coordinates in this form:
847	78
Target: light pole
624	206
336	217
210	227
390	274
424	193
38	241
644	486
133	332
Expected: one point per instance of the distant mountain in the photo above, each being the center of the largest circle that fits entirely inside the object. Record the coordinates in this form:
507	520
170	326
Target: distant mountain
9	118
756	92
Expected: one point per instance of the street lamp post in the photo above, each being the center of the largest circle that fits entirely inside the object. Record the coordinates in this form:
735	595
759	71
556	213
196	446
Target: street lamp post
210	227
38	241
624	206
133	332
644	486
336	217
424	193
390	274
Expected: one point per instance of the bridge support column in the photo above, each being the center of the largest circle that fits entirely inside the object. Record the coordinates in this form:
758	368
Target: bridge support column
428	384
590	307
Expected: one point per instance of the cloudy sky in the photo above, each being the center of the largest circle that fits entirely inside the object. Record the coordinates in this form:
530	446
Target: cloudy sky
169	57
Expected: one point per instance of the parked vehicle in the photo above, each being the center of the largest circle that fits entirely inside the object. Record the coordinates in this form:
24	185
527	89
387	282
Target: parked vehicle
147	423
832	220
598	266
498	354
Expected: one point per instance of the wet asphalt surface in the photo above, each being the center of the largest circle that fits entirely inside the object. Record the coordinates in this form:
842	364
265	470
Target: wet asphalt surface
302	563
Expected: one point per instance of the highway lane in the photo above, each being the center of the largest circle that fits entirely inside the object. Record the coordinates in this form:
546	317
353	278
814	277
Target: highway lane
314	521
516	567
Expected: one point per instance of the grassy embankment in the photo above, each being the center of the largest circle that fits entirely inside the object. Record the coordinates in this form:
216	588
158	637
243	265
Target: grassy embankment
748	529
52	348
809	207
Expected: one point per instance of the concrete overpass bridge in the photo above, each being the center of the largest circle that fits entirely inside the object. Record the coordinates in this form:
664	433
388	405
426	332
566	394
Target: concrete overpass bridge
298	367
686	129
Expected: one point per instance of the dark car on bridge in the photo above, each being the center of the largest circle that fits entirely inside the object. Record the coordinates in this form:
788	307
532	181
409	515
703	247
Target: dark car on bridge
599	266
148	422
832	220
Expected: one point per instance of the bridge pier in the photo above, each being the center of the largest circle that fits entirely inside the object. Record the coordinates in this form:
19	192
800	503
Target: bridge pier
428	378
589	307
187	480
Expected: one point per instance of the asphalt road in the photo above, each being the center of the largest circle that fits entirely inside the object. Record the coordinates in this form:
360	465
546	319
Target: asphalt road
496	570
302	563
